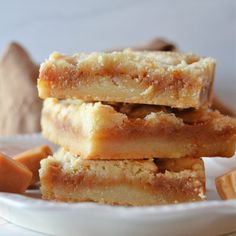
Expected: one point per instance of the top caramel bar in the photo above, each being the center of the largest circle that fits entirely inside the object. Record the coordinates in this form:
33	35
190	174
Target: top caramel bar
160	78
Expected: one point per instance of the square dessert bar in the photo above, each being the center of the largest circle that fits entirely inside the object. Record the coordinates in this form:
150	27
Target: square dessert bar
125	131
65	177
158	78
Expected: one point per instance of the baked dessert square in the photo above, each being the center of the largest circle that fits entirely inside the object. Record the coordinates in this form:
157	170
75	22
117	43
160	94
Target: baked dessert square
95	130
159	78
67	178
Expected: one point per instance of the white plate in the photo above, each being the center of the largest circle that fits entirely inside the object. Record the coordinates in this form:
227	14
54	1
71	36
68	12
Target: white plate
212	217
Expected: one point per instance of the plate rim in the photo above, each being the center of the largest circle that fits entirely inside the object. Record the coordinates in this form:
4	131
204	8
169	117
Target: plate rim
19	201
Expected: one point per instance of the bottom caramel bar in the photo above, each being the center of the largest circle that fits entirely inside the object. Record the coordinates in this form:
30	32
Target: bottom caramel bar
65	177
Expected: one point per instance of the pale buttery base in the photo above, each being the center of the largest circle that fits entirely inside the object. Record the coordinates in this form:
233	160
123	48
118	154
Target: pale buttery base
160	78
65	177
96	130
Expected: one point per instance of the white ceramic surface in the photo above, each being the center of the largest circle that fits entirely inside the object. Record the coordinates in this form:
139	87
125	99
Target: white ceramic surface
212	217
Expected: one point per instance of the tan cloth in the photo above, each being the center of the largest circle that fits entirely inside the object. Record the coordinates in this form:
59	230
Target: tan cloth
19	102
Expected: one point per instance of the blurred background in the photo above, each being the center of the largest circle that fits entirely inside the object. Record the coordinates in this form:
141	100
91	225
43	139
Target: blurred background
205	27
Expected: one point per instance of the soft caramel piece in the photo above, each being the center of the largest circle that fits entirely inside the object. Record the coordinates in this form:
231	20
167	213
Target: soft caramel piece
226	185
97	130
65	177
31	159
14	177
148	77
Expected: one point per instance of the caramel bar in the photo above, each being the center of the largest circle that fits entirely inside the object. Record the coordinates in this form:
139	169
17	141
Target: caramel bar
160	78
67	178
119	131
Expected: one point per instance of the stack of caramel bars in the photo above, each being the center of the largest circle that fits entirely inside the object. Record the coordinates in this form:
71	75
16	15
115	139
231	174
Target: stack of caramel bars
132	127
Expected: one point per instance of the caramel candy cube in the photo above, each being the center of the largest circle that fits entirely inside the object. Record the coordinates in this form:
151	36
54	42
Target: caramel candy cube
226	185
14	177
31	159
